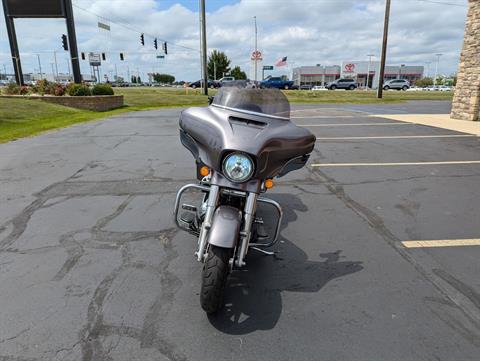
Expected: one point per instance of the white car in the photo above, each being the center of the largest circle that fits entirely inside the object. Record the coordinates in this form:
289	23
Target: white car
319	87
444	88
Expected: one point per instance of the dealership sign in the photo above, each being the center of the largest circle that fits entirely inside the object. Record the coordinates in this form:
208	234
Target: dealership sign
349	68
256	55
94	59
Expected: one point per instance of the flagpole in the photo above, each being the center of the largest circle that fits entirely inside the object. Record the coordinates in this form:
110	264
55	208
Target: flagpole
256	61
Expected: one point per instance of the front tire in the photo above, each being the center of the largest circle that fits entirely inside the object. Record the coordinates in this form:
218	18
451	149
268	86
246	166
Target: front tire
214	278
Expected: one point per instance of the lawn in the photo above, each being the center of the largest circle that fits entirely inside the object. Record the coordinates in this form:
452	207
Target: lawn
22	118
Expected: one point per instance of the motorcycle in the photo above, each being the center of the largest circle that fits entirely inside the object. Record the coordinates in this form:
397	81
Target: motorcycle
240	142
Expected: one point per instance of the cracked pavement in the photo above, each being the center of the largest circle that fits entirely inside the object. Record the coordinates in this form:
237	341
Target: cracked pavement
92	267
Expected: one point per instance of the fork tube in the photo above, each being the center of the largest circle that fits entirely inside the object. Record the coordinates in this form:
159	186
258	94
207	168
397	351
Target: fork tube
207	222
249	216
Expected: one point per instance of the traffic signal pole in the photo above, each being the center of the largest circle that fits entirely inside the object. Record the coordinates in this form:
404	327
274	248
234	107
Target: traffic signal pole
72	41
12	38
204	47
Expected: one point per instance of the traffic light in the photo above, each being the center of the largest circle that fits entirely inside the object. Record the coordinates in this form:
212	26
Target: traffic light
104	57
64	42
165	50
121	56
83	56
142	39
155	43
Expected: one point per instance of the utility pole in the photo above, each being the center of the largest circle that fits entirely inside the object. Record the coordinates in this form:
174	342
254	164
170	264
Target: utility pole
368	71
384	50
436	69
256	47
204	47
39	66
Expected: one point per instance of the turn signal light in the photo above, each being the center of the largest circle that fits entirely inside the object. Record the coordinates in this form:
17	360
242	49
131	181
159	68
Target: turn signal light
269	184
204	171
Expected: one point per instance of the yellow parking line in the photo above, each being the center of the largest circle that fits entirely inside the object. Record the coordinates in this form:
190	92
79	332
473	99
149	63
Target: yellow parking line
350	124
393	164
400	137
442	243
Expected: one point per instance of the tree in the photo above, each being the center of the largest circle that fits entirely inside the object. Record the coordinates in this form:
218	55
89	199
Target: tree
219	63
163	78
238	73
424	82
139	80
134	79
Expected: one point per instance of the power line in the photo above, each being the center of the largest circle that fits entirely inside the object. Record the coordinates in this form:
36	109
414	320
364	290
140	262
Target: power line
131	28
442	3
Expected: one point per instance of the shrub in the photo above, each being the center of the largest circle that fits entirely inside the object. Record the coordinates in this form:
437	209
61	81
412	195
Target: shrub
76	90
24	90
59	90
12	89
102	89
42	87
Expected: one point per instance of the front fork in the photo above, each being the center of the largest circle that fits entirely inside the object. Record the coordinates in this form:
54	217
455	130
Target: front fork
245	233
248	220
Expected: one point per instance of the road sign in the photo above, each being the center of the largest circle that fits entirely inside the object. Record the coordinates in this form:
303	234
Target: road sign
268	67
160	56
94	59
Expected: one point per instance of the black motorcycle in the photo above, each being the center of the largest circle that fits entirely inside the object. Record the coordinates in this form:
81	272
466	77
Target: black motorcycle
240	143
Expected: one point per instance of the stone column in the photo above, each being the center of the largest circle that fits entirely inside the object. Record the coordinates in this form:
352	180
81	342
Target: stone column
466	101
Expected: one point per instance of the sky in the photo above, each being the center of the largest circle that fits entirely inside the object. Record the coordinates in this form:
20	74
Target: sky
308	32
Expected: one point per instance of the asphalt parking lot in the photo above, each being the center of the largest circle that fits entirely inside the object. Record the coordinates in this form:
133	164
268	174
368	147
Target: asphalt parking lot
92	267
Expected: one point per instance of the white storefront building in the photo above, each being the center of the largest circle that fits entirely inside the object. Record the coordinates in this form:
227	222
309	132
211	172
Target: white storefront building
358	70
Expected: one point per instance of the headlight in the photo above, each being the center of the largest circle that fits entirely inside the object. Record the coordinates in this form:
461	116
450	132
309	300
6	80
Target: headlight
237	167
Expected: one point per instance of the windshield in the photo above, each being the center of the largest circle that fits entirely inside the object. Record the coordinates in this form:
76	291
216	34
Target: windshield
266	102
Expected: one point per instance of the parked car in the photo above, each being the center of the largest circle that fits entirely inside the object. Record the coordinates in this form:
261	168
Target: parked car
211	84
398	84
444	88
415	88
342	83
305	87
319	87
276	82
226	79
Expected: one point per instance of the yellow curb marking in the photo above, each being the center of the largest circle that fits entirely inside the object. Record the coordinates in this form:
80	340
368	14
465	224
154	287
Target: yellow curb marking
393	164
442	243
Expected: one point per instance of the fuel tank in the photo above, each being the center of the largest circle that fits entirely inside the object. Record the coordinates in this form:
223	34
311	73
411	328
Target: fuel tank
210	133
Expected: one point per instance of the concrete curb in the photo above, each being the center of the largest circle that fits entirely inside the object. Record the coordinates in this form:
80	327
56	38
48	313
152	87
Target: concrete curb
435	120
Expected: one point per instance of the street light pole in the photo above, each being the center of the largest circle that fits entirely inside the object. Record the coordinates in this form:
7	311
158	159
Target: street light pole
384	50
39	66
204	47
436	69
256	47
368	71
56	65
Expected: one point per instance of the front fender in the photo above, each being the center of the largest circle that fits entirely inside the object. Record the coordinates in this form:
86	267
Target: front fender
225	227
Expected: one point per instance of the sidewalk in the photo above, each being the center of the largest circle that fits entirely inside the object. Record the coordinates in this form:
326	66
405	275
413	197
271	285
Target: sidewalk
435	120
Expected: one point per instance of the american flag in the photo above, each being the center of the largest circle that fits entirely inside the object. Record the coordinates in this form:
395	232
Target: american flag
281	62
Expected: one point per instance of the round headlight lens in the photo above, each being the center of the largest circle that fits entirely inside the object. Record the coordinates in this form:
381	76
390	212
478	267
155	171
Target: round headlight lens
238	167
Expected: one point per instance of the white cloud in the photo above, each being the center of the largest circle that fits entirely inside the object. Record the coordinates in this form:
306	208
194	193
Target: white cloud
307	31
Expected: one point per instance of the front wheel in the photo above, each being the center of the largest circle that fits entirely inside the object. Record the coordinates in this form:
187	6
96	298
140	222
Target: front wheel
214	278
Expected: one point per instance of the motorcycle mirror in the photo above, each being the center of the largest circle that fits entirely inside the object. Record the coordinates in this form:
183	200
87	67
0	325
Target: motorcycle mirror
210	100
